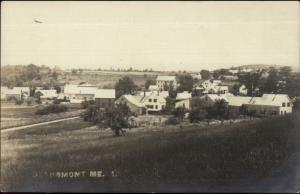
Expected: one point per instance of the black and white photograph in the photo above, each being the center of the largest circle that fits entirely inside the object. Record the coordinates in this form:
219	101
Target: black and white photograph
150	96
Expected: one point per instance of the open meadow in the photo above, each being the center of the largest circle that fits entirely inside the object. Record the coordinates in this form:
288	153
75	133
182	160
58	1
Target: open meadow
19	115
258	156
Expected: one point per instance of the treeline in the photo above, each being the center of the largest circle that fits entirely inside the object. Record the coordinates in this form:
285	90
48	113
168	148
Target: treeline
28	75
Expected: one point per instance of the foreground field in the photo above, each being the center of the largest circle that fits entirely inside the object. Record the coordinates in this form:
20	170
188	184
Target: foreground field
20	115
251	156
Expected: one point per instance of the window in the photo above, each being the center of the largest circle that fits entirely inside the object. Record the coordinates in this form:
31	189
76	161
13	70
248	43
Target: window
150	106
288	104
150	100
155	100
156	107
281	112
283	104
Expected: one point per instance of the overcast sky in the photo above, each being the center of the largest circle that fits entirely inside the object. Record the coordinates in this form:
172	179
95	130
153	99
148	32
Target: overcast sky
158	35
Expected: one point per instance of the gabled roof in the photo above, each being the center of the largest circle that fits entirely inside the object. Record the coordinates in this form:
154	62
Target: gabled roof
215	97
105	93
165	78
183	95
133	100
270	100
48	93
238	100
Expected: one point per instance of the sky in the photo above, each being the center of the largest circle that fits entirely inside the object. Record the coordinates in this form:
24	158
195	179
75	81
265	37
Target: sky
174	35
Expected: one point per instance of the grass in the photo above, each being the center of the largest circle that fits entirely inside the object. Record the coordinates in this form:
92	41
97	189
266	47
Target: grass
170	155
19	116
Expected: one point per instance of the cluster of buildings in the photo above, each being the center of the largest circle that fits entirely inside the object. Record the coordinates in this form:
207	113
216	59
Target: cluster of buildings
266	105
210	87
155	98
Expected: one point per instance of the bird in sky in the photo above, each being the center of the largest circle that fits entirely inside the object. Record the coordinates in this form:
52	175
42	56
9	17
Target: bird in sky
37	21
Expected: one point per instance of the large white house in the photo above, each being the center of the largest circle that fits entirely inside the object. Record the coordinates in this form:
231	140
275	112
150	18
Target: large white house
243	90
15	92
162	81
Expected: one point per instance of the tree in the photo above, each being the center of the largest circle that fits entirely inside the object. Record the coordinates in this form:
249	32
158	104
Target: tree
116	118
179	113
270	85
57	88
149	82
186	83
251	81
235	89
198	114
296	105
205	74
219	110
125	85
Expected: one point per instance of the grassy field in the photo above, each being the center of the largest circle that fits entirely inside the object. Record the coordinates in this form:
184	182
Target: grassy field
106	78
19	115
240	157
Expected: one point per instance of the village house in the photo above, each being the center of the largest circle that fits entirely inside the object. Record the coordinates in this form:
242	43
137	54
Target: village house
183	99
183	95
46	94
163	81
154	102
210	99
105	98
236	102
17	93
79	93
270	104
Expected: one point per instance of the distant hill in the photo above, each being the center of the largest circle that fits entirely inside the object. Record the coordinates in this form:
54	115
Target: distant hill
258	66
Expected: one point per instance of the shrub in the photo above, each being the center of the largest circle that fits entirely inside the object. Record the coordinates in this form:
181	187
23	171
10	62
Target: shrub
53	108
85	104
172	121
19	102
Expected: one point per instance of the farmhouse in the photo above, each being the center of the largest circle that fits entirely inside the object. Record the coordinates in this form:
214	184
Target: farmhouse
270	104
163	81
79	93
105	98
133	102
154	102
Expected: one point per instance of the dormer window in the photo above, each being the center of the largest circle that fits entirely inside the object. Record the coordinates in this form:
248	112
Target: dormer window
283	104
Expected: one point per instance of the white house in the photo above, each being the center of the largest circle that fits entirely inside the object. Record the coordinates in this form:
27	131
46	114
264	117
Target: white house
233	71
183	95
230	77
47	94
270	104
162	81
243	90
15	92
105	98
154	102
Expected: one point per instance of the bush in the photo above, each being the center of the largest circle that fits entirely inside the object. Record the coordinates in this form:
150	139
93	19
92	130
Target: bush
19	102
53	108
172	121
56	101
85	104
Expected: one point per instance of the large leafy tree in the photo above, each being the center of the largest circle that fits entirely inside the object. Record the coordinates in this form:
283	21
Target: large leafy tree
125	85
186	83
205	74
116	118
